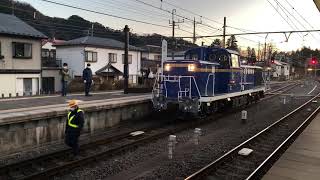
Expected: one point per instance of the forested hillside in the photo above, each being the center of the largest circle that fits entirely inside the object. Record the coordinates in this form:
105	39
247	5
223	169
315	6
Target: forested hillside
76	26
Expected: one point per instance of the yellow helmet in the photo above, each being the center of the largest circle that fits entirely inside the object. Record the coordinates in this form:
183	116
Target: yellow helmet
73	103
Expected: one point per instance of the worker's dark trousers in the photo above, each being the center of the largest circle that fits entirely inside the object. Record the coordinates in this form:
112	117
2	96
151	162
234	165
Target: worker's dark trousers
71	140
64	88
87	87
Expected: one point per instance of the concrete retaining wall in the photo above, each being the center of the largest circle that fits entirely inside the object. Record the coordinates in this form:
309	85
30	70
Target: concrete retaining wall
44	128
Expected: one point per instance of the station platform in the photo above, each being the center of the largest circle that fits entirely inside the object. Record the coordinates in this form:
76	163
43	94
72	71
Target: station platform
15	109
35	101
302	159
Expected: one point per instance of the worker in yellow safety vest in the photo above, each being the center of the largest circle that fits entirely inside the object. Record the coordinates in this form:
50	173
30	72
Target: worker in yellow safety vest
74	125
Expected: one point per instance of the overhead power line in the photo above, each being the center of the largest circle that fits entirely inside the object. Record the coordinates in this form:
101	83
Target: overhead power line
299	14
301	17
294	26
196	14
203	17
242	34
106	14
168	11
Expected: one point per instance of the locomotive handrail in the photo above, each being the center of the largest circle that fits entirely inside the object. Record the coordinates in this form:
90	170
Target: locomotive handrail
167	78
191	78
213	75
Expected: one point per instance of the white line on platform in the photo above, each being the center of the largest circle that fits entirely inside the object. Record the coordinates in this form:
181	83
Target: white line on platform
313	89
41	97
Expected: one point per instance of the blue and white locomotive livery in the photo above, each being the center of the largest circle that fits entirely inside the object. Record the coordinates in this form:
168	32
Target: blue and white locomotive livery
206	80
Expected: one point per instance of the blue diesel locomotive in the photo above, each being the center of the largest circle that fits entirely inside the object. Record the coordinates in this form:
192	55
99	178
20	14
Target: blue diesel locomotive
206	80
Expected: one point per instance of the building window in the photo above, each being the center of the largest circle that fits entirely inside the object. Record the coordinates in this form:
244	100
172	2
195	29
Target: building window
112	57
53	53
157	57
22	50
91	56
129	59
45	53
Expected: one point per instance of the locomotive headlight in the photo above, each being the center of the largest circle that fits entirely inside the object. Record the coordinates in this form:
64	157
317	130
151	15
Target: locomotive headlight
167	67
191	67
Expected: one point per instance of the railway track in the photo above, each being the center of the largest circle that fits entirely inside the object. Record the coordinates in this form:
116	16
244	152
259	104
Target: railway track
270	94
46	166
267	146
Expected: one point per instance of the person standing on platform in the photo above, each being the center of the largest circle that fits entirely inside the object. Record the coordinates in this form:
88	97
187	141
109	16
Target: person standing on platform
74	125
65	77
87	79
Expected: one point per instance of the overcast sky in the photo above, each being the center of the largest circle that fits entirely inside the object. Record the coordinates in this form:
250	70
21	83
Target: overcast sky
255	15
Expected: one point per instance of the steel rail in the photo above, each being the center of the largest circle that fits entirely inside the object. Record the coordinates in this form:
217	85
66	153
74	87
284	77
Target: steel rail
257	171
204	170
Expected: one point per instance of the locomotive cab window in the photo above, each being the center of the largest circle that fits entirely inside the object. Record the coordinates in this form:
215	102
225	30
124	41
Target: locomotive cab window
235	61
192	56
224	61
212	57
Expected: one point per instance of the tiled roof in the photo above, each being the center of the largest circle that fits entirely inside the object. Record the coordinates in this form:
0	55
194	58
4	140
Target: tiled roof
97	42
12	25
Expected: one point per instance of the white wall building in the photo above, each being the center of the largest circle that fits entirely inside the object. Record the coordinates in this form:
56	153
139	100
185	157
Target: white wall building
20	57
105	56
281	69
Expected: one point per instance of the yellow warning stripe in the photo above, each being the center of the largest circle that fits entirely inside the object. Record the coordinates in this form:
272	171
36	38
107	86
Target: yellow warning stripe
209	70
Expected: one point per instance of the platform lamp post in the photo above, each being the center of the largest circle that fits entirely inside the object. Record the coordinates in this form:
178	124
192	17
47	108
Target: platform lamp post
126	57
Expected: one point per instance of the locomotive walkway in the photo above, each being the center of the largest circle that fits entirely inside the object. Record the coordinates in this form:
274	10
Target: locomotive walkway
302	159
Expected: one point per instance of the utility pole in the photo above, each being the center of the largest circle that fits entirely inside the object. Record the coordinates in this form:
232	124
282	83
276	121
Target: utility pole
12	7
259	59
224	32
194	29
92	29
265	50
126	57
174	23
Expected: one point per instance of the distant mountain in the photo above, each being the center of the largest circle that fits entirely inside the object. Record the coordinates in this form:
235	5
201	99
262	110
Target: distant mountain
76	26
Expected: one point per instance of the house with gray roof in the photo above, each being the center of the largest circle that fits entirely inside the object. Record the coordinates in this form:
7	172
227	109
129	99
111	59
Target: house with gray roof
105	55
20	57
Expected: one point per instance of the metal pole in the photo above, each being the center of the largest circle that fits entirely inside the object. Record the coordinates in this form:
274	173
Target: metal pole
12	4
259	59
173	26
126	56
224	32
194	30
265	50
92	29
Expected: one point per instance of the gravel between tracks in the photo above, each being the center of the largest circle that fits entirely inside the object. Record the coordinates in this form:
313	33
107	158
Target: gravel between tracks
150	161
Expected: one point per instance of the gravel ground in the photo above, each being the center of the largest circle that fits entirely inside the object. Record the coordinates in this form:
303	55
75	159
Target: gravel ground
150	161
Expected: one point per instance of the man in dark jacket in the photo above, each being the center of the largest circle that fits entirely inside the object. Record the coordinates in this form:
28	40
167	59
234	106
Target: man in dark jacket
87	79
74	125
